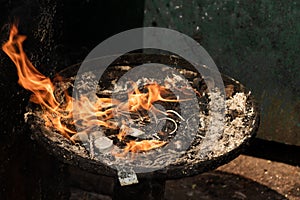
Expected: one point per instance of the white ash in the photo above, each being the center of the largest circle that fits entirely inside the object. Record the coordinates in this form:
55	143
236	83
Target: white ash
214	124
234	132
105	92
188	73
237	102
124	68
86	82
27	114
175	81
171	80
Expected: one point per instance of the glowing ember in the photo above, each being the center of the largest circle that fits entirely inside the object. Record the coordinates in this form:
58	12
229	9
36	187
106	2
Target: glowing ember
144	145
58	110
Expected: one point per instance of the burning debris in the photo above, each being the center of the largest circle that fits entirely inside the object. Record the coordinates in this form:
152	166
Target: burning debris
58	113
147	119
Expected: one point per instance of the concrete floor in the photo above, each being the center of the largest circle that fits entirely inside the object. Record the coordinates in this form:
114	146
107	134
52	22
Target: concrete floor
245	177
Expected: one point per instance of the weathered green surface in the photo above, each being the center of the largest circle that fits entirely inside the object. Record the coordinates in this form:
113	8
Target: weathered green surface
255	41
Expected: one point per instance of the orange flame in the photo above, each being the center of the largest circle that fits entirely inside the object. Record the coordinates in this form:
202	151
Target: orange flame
144	145
31	79
138	100
60	114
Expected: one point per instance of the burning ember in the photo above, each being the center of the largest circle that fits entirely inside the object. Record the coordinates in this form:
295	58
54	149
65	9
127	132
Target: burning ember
58	113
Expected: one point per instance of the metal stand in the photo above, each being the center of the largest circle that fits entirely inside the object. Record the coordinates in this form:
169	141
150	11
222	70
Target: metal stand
146	189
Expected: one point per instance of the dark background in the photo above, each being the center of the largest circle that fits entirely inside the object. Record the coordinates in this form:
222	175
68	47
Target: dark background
254	41
59	34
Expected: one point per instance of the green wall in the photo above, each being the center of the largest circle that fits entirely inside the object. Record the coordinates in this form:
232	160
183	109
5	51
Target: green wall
254	41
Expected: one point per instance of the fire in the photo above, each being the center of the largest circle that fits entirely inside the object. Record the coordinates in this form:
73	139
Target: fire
59	113
41	87
138	100
144	145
